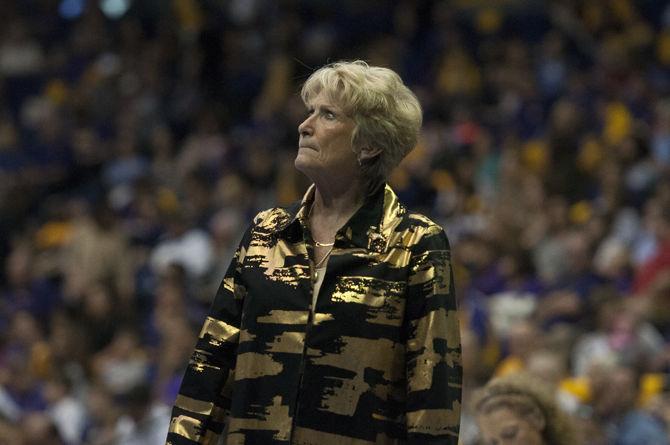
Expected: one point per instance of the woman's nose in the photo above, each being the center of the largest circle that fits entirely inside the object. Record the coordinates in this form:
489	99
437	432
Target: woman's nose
305	128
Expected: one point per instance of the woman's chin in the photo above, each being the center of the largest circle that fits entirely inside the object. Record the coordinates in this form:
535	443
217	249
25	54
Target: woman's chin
303	162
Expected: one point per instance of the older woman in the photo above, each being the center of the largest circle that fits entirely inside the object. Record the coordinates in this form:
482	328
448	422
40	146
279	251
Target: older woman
519	410
336	322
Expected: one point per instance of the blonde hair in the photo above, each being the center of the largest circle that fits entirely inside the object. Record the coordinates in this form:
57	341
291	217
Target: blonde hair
387	114
530	399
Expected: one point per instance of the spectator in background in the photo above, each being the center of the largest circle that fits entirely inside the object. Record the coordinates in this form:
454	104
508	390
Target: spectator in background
123	364
66	411
622	336
39	428
144	422
614	395
97	253
103	415
184	245
657	267
518	410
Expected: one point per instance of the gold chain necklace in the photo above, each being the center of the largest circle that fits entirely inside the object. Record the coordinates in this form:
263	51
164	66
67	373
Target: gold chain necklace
318	243
325	257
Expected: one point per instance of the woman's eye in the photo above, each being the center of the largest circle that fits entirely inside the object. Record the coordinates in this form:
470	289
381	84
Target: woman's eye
329	114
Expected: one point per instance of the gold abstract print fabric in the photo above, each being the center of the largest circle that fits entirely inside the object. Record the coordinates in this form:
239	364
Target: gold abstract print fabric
378	361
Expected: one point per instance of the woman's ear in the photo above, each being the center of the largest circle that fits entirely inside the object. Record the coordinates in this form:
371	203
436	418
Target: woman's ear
368	153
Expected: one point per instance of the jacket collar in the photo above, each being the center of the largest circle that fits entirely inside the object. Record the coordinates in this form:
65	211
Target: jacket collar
370	227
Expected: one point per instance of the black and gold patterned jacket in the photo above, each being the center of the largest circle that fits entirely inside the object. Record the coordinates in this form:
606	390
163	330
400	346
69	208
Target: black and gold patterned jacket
379	362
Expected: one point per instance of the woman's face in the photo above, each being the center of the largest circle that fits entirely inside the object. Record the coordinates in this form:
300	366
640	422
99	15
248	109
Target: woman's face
503	426
325	141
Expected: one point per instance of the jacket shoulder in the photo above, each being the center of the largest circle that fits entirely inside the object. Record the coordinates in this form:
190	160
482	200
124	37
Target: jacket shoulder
422	224
416	232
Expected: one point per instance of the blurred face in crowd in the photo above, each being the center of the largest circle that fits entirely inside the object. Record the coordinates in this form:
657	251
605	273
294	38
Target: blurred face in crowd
39	428
613	390
503	426
325	140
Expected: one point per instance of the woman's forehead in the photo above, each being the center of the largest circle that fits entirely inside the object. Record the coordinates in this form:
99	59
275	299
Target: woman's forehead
323	98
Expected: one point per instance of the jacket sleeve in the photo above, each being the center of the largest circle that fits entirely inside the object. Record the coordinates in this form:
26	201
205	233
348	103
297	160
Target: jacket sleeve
199	412
433	348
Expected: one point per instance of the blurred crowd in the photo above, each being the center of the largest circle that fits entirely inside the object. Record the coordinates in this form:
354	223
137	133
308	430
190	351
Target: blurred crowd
136	145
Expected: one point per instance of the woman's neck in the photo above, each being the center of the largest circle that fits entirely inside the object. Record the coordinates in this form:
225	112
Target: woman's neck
332	207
